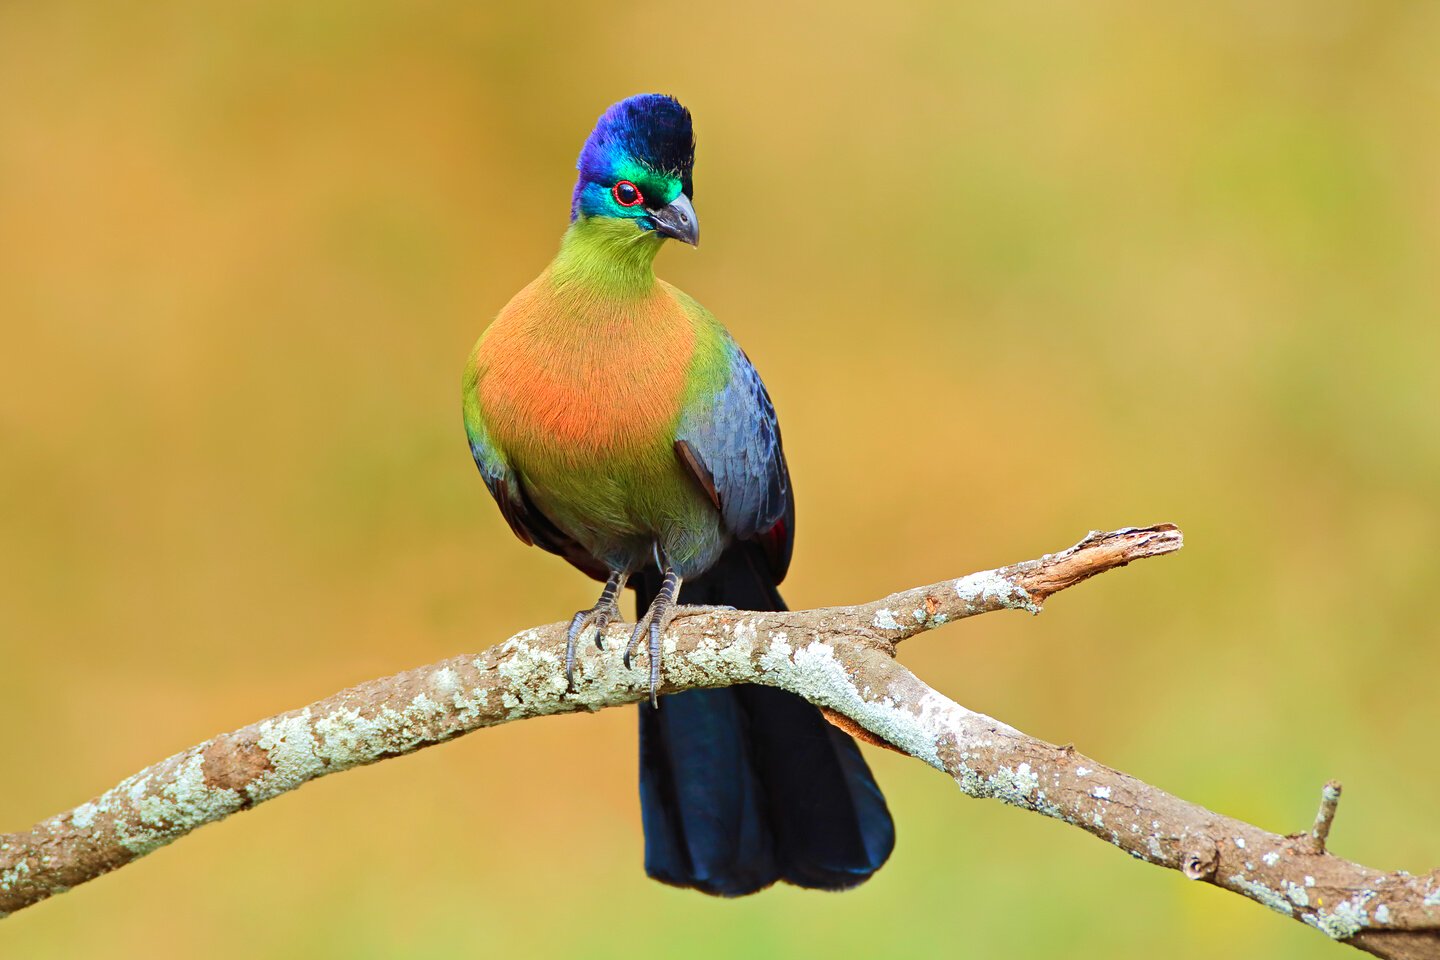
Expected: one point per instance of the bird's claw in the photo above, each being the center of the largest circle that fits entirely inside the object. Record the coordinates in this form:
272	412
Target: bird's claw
655	625
656	620
658	624
600	617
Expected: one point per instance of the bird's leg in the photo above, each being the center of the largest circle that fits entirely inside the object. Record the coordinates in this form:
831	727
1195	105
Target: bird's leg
599	616
655	620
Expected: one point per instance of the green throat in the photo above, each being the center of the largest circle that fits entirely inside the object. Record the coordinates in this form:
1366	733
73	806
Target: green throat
607	256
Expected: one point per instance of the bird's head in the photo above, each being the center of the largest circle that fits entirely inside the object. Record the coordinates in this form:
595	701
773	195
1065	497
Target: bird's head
636	166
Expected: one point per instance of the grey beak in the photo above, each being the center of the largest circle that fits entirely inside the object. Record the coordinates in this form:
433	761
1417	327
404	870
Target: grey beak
677	220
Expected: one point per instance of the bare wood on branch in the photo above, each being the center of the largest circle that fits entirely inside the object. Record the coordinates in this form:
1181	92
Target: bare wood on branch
841	659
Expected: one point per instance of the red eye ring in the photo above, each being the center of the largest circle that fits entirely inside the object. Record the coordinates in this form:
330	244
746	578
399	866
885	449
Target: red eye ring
627	194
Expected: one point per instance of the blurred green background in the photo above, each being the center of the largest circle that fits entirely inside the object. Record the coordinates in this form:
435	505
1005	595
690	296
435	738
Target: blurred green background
1011	272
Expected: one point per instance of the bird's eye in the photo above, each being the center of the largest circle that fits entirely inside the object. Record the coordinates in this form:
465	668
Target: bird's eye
627	194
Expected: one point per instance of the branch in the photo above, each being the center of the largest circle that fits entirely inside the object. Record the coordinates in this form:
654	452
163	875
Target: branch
841	659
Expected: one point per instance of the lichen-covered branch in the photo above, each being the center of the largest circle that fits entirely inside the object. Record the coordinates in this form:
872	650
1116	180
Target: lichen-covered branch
840	658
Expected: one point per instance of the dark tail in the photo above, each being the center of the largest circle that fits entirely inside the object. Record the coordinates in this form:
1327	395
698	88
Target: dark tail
747	785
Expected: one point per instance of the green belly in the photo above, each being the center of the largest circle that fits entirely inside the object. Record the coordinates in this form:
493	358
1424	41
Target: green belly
620	508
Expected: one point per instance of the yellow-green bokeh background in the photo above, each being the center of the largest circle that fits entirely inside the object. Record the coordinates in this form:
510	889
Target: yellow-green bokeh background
1010	271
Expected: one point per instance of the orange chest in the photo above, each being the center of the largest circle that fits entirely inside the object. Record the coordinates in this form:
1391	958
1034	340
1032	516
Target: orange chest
584	378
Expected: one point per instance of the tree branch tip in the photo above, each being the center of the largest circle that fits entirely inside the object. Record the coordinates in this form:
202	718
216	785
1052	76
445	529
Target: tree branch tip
1128	543
1325	816
1167	534
1156	540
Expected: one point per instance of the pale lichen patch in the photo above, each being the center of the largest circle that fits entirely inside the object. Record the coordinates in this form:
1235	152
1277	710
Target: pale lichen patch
728	653
84	815
815	673
445	681
983	591
1013	786
289	743
348	738
885	619
1019	787
13	876
468	705
1260	893
533	674
1347	919
178	807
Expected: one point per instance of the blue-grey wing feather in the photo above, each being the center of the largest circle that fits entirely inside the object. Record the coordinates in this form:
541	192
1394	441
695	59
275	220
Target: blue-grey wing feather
736	436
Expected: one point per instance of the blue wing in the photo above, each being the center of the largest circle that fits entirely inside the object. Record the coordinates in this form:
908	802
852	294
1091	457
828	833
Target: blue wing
731	442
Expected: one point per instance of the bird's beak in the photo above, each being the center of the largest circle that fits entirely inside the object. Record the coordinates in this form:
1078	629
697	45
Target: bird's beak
677	220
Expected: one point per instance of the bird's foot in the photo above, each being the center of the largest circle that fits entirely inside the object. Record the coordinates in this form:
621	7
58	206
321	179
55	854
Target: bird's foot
605	612
662	611
599	616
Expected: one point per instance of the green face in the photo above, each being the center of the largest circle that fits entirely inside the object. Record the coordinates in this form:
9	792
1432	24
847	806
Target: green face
631	192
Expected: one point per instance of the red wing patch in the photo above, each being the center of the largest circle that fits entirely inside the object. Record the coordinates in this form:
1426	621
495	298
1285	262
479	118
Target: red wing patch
698	470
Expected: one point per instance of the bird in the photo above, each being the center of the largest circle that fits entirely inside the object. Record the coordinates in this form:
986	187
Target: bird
618	425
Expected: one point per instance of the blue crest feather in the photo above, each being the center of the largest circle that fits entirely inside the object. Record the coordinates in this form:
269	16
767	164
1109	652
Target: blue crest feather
649	129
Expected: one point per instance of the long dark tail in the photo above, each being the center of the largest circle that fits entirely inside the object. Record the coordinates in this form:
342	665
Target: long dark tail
747	785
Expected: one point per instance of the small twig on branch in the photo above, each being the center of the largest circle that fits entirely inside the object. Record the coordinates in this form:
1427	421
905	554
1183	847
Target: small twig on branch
839	658
1325	816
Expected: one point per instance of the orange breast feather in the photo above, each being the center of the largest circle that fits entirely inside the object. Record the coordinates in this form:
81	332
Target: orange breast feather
566	376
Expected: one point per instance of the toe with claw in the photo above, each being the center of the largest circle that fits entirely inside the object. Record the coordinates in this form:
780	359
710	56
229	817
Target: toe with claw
605	612
653	624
